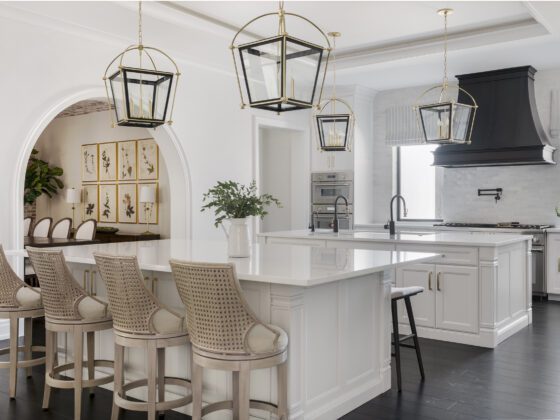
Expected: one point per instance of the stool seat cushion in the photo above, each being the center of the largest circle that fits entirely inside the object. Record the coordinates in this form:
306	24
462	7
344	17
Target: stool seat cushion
92	309
167	322
400	292
29	297
266	339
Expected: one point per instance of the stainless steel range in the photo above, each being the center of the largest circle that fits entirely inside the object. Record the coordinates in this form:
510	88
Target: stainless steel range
538	249
325	187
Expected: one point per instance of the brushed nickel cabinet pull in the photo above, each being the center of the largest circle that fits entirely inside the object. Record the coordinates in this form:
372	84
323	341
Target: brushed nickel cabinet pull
154	285
92	285
430	281
438	282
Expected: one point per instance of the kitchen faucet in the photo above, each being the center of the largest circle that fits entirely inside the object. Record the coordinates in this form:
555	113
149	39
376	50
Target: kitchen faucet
335	221
392	221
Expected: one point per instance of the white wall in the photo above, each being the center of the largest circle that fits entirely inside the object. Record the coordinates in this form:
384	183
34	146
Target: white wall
60	145
530	192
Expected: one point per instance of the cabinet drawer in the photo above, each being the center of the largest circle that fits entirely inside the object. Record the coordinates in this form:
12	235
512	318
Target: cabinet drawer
311	242
455	255
376	246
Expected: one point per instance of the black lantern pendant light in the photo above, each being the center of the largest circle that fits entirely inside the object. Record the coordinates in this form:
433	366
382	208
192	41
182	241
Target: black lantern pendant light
143	96
335	130
446	120
281	73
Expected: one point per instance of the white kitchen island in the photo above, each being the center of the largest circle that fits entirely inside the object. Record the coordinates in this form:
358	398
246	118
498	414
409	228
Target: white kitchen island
477	292
333	303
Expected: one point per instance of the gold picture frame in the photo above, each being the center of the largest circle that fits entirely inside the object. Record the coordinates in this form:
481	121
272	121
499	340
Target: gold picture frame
90	201
108	161
127	198
127	159
147	159
108	203
89	162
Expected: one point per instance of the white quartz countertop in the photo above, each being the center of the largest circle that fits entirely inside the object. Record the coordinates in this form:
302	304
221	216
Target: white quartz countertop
296	265
436	238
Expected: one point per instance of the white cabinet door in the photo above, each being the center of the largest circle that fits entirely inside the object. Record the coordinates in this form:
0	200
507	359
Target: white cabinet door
457	298
423	304
553	263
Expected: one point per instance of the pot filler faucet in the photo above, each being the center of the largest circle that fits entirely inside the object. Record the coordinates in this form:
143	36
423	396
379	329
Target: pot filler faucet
391	225
335	221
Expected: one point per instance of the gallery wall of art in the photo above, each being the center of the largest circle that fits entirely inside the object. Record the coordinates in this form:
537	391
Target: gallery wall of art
109	165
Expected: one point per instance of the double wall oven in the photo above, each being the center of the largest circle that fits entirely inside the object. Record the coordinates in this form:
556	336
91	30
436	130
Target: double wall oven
325	187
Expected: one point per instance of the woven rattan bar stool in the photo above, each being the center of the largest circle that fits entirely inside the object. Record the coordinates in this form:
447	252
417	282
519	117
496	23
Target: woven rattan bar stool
69	309
141	321
17	300
227	335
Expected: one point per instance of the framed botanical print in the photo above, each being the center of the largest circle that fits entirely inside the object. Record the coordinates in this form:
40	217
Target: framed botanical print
91	201
148	159
108	161
89	163
128	203
149	211
127	160
108	207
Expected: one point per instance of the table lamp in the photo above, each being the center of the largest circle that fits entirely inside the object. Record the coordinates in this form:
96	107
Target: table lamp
148	198
73	196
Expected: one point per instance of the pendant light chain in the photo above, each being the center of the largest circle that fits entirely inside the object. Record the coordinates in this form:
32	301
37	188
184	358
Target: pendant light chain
140	23
282	20
334	74
445	80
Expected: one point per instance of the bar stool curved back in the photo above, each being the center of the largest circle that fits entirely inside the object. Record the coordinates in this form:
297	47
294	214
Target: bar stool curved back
141	321
69	308
227	335
17	300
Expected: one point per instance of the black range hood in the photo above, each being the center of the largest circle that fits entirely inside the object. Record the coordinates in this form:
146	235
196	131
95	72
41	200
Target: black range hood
507	130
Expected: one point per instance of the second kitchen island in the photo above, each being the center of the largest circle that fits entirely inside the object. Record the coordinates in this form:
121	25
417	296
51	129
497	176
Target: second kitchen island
477	292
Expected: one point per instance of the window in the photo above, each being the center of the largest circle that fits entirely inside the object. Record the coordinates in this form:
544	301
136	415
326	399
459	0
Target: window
416	182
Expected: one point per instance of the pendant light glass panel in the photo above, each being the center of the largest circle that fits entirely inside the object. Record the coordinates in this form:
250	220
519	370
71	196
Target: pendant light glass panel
333	132
141	97
281	73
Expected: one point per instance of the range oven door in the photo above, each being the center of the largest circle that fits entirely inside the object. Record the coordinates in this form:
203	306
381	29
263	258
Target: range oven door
326	192
539	283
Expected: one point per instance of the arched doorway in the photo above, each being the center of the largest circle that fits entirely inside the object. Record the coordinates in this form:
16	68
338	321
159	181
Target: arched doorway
169	146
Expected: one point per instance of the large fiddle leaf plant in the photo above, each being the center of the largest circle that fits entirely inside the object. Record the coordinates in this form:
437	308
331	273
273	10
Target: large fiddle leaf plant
232	200
41	178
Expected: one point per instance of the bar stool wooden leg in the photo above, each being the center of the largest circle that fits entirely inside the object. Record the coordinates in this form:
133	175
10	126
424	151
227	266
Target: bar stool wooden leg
78	372
152	380
196	383
91	359
243	387
282	384
27	342
14	336
161	376
119	378
415	336
49	362
396	342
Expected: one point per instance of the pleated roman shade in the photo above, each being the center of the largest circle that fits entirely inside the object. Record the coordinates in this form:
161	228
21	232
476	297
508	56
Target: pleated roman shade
401	126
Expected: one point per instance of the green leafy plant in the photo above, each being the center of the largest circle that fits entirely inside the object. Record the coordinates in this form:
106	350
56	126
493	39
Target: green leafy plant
232	200
41	178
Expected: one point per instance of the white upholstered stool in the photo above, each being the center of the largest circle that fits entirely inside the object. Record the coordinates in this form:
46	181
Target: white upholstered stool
17	300
227	335
141	321
405	293
69	309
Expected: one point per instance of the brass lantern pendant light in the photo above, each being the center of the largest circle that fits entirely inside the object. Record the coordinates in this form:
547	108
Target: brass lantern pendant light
143	94
445	120
281	73
334	129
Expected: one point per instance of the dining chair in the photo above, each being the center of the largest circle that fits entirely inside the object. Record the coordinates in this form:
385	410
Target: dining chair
61	229
27	223
141	321
86	230
42	228
227	335
69	309
18	301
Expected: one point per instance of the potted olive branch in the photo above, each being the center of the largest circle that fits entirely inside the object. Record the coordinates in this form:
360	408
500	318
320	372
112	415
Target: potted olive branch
235	202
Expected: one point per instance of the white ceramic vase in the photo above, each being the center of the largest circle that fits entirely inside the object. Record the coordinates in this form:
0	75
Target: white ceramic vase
239	245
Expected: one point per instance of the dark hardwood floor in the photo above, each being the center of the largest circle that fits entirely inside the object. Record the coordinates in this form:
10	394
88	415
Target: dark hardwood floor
518	380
